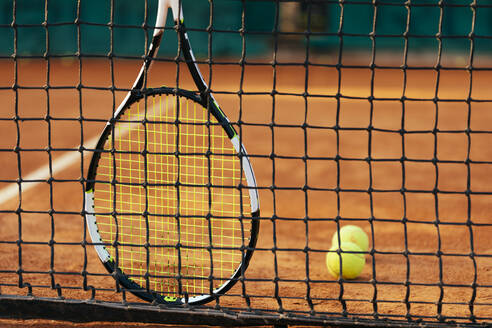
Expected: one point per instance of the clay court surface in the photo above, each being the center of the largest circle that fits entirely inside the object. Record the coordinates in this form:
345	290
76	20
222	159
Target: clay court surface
387	269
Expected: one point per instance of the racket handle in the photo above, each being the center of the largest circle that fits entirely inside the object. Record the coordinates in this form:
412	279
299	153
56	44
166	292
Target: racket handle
160	22
162	14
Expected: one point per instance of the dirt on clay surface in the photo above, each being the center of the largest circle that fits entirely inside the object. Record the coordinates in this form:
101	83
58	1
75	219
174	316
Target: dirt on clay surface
401	250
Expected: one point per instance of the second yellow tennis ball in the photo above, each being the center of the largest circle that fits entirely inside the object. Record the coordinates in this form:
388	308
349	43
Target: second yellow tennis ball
353	234
352	263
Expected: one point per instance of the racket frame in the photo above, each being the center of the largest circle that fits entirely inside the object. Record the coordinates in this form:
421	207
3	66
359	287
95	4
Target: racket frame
205	99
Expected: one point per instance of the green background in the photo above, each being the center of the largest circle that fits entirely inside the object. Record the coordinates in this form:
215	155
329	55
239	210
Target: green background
128	37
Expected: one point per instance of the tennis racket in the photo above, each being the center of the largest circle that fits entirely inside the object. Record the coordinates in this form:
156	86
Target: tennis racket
171	199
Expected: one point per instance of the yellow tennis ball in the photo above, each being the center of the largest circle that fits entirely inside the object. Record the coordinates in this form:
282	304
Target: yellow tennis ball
352	263
353	234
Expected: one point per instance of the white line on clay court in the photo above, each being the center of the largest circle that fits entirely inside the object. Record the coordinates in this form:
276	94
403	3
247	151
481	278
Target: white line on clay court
43	173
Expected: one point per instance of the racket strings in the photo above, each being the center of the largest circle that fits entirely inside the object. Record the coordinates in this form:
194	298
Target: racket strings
192	200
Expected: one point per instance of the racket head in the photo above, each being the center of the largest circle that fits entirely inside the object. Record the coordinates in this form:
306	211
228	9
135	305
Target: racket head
171	198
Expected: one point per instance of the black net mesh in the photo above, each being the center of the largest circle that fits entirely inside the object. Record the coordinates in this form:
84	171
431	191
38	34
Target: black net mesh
368	113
